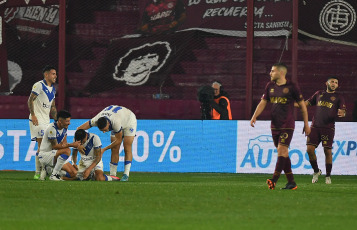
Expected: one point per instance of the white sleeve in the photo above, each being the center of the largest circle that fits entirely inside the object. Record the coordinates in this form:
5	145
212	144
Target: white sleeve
51	133
37	88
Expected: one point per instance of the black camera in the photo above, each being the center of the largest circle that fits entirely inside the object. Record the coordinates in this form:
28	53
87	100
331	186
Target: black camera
205	94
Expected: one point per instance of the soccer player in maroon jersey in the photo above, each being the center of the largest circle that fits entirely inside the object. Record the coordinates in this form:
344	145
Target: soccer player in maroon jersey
282	93
329	105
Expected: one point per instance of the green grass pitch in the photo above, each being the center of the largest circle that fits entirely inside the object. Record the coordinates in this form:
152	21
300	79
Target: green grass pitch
177	201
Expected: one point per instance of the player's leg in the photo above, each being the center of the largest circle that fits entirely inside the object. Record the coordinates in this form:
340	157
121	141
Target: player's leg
312	141
114	159
129	135
328	160
285	138
46	161
36	135
280	163
128	142
62	156
328	136
71	171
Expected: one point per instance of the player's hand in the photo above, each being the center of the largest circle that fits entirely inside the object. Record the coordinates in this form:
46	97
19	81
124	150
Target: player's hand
306	130
81	149
86	174
252	122
341	113
34	120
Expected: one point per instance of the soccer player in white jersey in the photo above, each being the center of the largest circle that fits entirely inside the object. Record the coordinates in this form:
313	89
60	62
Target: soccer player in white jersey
91	164
41	104
54	151
122	124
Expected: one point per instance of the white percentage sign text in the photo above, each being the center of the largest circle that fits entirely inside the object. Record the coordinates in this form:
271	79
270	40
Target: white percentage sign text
158	141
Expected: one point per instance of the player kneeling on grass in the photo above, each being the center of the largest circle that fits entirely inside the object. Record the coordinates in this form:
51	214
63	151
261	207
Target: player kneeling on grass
90	164
55	151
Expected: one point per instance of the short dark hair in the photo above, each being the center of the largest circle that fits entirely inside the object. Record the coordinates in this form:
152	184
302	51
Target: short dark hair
102	122
64	114
280	65
80	134
332	77
48	68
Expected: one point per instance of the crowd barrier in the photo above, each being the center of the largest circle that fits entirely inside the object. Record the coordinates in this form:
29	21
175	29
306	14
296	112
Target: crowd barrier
193	146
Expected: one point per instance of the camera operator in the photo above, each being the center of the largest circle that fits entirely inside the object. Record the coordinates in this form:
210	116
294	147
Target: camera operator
214	102
221	108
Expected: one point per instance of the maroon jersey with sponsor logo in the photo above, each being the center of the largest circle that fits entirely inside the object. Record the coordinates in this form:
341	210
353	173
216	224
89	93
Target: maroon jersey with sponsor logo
282	98
160	16
327	105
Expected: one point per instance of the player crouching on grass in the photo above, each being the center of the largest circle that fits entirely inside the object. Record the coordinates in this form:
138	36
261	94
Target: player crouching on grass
54	149
90	164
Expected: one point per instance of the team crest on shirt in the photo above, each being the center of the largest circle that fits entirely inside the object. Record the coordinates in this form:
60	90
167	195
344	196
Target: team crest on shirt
50	132
272	90
333	98
286	90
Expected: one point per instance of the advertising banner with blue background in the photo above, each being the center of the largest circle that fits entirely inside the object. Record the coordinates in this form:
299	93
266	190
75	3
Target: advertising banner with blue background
194	146
160	146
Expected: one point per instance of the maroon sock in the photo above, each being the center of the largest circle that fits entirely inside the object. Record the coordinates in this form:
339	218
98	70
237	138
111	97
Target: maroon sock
288	172
314	165
280	164
328	169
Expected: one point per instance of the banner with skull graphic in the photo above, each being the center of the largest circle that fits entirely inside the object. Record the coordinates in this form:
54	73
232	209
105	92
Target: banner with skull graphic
140	61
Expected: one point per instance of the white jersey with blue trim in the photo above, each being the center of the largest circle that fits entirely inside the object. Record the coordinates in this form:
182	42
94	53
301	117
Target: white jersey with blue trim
117	116
42	103
52	132
93	142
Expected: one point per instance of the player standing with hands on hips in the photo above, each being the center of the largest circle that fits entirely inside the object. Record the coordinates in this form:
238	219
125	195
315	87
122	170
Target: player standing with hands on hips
122	124
282	94
329	105
41	104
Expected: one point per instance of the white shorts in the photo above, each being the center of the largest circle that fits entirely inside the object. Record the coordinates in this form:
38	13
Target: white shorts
84	163
37	131
47	158
130	129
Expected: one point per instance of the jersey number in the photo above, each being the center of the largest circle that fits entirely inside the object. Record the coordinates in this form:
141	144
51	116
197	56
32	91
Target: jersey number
115	108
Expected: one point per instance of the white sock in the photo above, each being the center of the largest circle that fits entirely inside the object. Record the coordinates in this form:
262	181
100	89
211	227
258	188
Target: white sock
113	168
108	178
60	162
37	164
127	165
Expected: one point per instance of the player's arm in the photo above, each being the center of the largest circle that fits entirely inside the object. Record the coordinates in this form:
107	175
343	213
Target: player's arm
341	112
98	157
31	108
116	142
63	144
304	113
74	158
297	105
260	108
84	126
53	111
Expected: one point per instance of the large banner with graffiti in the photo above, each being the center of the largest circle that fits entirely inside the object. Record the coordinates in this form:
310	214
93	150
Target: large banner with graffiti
194	146
139	61
271	18
333	20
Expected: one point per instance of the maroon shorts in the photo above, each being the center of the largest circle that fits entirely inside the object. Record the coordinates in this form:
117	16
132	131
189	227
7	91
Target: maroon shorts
324	135
282	136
